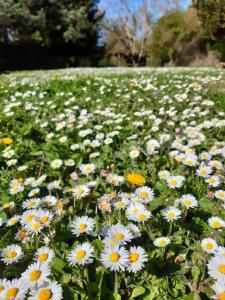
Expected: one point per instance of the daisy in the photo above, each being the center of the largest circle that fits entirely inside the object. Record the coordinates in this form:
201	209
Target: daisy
80	191
137	257
50	290
115	259
164	174
83	225
44	216
216	268
220	194
213	181
161	241
49	200
134	229
28	216
36	274
69	162
220	251
81	255
3	283
175	181
134	210
15	289
87	169
11	254
120	203
216	222
143	216
31	203
189	201
56	163
145	193
216	164
219	289
209	245
120	234
22	236
204	171
33	192
12	221
114	179
134	153
171	213
34	227
44	255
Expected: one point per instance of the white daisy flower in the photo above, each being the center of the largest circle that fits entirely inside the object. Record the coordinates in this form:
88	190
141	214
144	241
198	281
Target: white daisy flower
87	169
216	222
34	192
216	164
56	163
161	241
80	191
137	258
3	284
216	268
134	210
69	162
120	234
189	201
171	213
134	153
15	289
44	216
175	181
36	274
134	229
220	251
220	194
114	179
49	200
219	289
204	171
22	236
34	227
115	259
209	245
31	203
11	254
213	181
50	290
120	203
44	255
13	221
164	174
145	193
83	225
81	255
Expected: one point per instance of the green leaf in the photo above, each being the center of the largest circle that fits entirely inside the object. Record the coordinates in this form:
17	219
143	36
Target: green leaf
193	296
58	264
138	291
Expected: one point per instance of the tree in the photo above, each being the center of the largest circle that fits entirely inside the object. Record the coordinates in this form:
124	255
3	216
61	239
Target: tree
212	15
127	31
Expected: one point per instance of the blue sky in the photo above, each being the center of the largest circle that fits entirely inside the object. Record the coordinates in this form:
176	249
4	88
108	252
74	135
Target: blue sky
109	8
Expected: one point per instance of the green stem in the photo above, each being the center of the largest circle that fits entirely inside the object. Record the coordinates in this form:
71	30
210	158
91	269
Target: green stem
116	283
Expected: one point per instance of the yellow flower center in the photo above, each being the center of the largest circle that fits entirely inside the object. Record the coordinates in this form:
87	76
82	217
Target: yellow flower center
222	296
221	195
162	242
133	257
120	203
119	236
216	224
187	202
36	225
80	192
43	257
135	211
82	227
22	234
13	221
35	275
142	217
173	181
114	257
11	254
209	246
44	219
170	215
31	203
144	195
29	218
87	169
11	293
1	288
221	269
80	254
45	294
212	180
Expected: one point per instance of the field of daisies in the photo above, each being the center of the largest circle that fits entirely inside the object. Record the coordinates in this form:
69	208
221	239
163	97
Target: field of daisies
112	185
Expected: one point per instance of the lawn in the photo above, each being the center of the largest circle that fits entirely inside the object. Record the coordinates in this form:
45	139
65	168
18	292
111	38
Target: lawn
112	184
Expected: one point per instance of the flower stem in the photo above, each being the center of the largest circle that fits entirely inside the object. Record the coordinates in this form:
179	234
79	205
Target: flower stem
116	283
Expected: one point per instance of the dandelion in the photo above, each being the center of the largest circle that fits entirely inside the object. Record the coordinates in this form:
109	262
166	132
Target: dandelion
136	179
